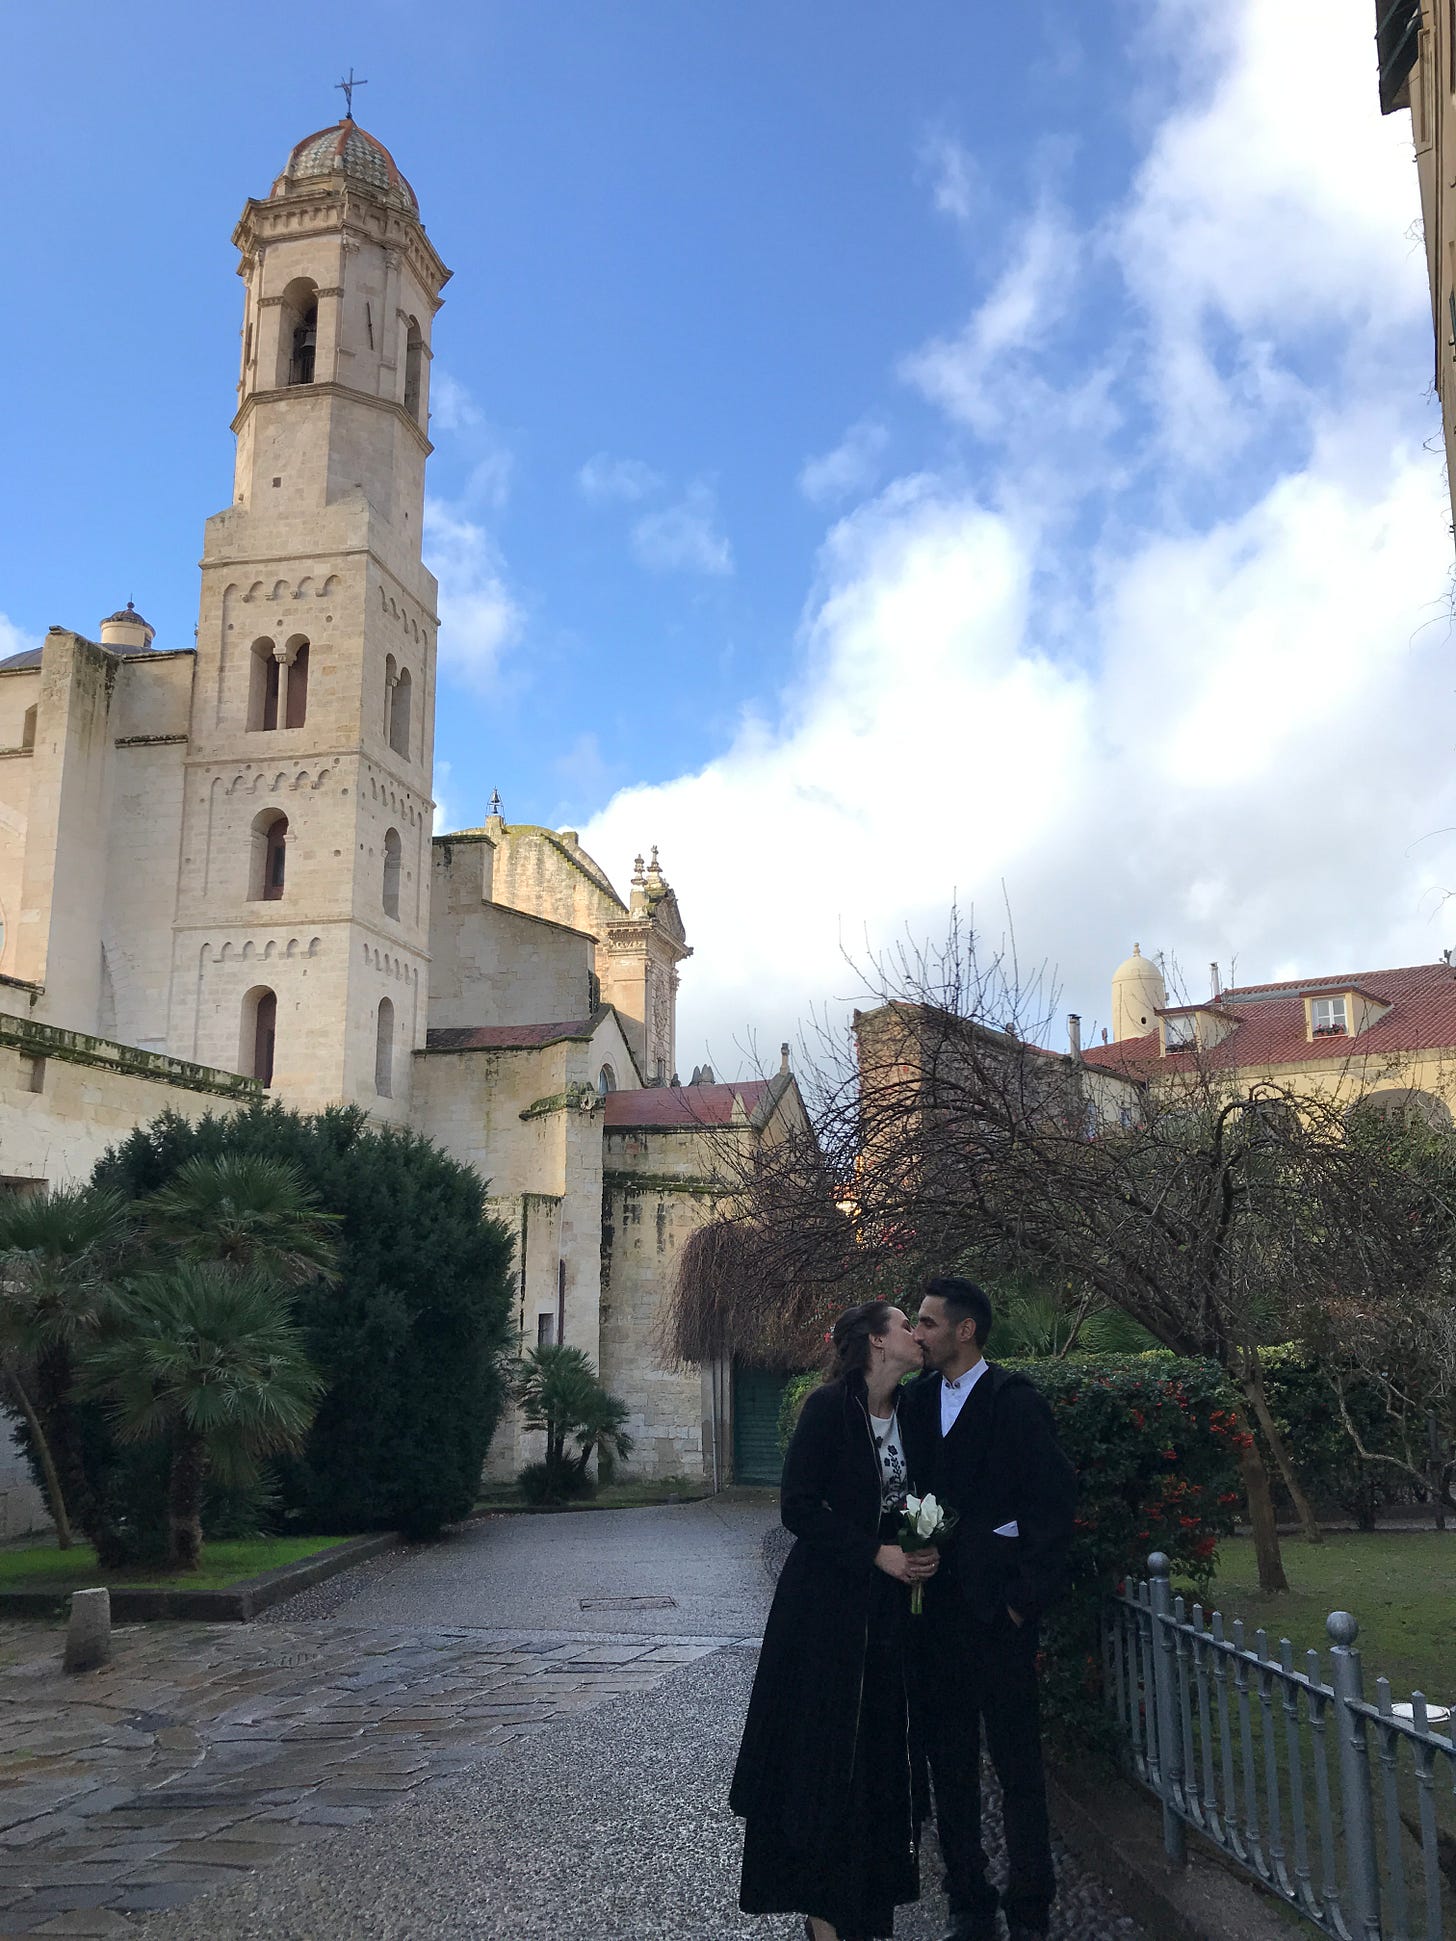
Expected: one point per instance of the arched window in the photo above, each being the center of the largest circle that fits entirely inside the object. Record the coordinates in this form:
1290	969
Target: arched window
384	1050
27	728
412	369
259	1032
391	872
606	1081
399	715
297	332
304	344
391	675
296	709
263	681
269	862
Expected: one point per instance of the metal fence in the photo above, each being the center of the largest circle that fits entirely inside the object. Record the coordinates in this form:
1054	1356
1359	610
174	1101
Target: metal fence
1344	1808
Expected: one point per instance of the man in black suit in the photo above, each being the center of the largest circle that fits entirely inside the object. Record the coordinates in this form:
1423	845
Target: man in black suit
980	1438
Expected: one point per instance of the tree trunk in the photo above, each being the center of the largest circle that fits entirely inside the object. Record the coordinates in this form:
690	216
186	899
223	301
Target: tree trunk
1262	1520
184	1499
1253	1385
55	1496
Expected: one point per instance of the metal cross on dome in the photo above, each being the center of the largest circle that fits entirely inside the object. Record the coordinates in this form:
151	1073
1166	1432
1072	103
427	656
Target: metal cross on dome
348	86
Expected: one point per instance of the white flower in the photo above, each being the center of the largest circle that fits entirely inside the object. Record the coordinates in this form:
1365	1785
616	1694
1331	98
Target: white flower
927	1516
912	1507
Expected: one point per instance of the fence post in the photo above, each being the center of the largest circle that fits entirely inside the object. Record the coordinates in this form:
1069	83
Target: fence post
1358	1831
1165	1684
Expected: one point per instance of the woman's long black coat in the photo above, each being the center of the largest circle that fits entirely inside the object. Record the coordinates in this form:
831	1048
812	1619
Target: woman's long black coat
798	1746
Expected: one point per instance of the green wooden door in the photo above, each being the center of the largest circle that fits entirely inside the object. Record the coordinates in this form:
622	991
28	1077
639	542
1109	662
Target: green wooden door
757	1393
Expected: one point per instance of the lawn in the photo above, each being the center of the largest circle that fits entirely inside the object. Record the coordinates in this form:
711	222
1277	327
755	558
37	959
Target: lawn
1399	1584
42	1567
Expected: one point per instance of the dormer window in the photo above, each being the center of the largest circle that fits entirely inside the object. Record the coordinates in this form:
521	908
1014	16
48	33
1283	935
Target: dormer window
1180	1034
1328	1017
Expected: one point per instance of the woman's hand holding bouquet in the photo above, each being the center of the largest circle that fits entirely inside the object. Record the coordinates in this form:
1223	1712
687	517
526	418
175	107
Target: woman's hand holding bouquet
927	1525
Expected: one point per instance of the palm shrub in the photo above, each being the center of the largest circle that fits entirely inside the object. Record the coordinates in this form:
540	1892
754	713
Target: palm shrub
558	1393
409	1332
246	1210
207	1356
60	1253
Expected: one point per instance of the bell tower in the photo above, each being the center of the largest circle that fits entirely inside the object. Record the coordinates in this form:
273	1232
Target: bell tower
300	948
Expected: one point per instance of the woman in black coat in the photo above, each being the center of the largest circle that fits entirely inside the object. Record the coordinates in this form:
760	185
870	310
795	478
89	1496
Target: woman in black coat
825	1776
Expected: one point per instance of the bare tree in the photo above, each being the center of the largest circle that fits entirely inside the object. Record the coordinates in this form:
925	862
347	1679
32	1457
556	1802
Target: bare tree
1218	1213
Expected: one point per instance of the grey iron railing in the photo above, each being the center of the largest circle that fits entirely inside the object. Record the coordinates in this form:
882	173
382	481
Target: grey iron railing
1274	1765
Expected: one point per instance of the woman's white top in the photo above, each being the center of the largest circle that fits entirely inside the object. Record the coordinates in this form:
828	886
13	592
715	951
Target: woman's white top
894	1478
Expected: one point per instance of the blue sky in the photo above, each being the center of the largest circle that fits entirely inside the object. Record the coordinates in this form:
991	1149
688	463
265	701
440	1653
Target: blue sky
882	455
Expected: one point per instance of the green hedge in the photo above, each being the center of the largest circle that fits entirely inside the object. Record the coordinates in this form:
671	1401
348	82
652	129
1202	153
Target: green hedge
1334	1475
409	1342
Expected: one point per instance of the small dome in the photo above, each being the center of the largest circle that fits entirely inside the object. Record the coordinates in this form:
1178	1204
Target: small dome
1138	994
27	657
127	616
347	149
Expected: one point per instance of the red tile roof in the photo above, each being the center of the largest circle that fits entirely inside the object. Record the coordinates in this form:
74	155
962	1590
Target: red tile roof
687	1106
505	1037
1271	1027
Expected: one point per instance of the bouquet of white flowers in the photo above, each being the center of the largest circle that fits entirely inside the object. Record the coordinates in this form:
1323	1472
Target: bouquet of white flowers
926	1526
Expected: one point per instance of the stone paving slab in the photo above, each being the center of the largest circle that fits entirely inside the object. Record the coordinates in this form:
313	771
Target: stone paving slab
204	1752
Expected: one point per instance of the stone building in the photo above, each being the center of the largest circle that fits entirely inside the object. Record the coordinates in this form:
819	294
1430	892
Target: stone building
1415	43
217	868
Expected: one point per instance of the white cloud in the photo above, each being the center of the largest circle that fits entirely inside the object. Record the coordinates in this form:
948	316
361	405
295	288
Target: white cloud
684	537
972	376
954	175
1225	732
479	615
606	480
851	467
1266	206
14	640
452	408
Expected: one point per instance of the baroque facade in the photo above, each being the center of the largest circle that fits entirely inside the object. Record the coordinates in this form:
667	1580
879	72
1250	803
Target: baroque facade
218	876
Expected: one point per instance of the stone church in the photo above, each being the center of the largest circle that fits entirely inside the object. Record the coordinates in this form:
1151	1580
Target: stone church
217	868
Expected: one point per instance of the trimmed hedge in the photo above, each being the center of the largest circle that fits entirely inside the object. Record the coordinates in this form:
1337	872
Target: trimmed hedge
410	1341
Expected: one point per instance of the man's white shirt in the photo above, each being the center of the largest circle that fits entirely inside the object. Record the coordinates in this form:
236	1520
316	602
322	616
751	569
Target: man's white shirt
953	1394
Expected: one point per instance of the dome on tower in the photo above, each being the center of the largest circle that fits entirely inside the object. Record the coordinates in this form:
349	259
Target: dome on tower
347	149
1138	994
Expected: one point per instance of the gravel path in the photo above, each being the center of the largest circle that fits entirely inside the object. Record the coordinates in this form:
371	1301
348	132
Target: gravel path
608	1827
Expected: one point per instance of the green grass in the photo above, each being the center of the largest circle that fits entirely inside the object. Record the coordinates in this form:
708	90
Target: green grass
42	1567
1399	1584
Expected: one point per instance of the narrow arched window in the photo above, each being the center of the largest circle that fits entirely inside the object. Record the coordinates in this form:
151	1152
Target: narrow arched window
27	728
304	346
412	353
391	872
263	683
269	862
384	1050
606	1081
296	710
259	1034
391	675
399	715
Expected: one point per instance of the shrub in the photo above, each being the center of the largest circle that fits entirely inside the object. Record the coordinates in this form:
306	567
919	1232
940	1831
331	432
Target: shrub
558	1393
1155	1441
540	1484
795	1389
408	1342
1330	1467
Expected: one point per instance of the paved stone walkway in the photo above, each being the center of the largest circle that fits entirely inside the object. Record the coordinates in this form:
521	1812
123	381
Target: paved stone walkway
206	1750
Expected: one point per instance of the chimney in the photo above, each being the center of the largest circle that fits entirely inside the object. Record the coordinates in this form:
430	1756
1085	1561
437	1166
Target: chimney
1074	1036
783	1060
1215	986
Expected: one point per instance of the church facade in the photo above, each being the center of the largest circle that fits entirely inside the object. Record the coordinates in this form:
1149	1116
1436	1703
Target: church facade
218	872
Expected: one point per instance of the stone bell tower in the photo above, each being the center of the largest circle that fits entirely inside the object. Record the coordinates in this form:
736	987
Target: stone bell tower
300	950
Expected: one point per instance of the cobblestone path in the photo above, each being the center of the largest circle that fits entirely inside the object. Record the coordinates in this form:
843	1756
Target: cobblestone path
205	1751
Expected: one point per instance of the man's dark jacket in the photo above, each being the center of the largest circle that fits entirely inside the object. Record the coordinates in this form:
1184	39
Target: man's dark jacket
1000	1464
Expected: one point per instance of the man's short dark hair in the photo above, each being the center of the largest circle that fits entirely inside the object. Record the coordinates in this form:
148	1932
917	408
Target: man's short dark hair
964	1302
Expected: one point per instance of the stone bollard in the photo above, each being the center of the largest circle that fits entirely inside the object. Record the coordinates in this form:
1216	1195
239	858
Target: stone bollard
88	1635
